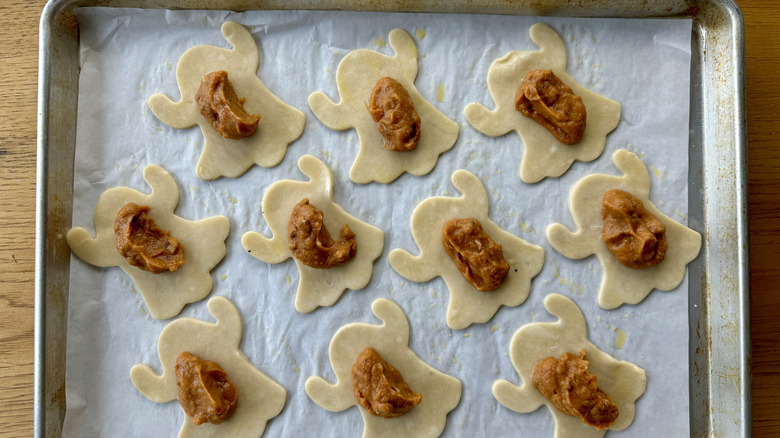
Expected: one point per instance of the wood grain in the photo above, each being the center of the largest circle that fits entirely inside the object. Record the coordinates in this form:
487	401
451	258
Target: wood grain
19	66
762	53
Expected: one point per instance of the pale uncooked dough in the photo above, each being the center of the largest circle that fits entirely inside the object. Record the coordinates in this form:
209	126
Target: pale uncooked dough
467	304
543	155
260	398
280	123
317	287
621	380
620	284
204	244
440	392
356	75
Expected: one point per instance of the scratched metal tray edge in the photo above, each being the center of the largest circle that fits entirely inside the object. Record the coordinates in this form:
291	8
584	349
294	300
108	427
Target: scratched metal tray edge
719	309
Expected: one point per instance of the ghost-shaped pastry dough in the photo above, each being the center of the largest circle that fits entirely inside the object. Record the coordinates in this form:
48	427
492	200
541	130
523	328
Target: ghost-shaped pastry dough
355	78
316	287
440	392
260	398
543	155
623	381
467	304
280	124
203	241
621	284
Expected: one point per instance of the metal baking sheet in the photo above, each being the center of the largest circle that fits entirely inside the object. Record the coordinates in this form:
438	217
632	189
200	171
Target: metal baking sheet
718	293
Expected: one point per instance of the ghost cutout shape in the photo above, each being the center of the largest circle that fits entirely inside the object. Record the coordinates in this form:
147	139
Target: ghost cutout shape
316	287
467	305
355	78
280	124
166	293
623	381
621	284
259	397
440	392
543	156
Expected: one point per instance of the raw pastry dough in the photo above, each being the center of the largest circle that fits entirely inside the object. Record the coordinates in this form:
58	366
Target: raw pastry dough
356	75
204	244
467	305
280	124
620	284
317	287
440	392
544	155
259	397
621	380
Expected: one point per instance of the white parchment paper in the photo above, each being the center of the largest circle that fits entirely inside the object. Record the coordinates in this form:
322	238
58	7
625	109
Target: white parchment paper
127	55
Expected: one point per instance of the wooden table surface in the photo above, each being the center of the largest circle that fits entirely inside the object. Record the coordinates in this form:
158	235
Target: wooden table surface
19	67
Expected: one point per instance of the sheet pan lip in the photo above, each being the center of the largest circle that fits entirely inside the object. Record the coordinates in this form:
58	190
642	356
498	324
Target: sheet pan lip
41	222
736	75
54	8
743	232
50	12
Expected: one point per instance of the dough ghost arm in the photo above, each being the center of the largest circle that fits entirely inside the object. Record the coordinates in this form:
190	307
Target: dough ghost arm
482	119
565	242
515	398
154	387
411	267
267	250
327	395
330	114
91	250
178	115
